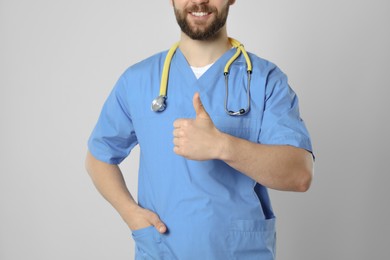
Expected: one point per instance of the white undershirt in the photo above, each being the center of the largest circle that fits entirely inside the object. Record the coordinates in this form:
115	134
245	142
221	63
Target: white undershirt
198	71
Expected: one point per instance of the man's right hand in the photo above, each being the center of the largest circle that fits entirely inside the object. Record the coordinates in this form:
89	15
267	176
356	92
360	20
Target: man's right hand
143	218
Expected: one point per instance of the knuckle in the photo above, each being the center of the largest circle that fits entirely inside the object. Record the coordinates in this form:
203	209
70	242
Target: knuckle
186	123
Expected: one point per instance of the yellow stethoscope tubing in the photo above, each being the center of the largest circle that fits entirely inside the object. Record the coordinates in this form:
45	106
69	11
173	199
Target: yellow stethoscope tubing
167	63
240	49
165	72
159	104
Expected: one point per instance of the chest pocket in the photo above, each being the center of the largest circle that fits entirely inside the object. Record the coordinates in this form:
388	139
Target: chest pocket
238	126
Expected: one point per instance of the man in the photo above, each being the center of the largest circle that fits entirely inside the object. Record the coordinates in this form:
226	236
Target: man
203	174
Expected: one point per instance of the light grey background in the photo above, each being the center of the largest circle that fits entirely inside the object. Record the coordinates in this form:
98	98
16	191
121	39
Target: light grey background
60	59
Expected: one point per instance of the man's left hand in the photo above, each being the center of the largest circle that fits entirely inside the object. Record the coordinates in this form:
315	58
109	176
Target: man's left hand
197	139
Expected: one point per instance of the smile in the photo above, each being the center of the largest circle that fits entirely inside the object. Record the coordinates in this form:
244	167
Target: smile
199	14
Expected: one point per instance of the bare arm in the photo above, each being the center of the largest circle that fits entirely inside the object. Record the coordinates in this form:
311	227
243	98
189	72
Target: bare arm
277	167
108	180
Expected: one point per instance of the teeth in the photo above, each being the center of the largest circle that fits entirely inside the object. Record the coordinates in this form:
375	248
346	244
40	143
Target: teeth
199	14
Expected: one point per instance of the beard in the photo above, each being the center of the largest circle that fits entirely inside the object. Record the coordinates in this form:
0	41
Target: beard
201	31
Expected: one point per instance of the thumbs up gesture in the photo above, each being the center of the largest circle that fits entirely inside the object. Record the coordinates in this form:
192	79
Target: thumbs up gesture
198	138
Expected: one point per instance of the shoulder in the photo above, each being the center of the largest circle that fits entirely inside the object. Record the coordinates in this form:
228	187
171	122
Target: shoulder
147	65
140	74
270	74
261	65
267	71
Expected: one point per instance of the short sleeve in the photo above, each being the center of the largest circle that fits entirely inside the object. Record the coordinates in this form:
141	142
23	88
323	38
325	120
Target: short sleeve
282	124
113	136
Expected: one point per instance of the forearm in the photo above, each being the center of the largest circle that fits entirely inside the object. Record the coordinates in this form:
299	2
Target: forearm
108	180
279	167
276	167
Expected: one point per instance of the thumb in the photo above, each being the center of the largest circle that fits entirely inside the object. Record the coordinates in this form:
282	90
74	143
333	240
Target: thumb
199	108
158	224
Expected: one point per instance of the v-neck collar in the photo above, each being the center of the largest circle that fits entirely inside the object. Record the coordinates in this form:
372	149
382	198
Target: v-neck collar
181	64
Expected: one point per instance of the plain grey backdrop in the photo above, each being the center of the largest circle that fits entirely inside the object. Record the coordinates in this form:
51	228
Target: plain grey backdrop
60	59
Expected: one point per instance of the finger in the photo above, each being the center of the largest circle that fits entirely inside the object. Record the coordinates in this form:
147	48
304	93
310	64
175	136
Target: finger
176	141
158	224
161	227
182	123
179	122
178	132
176	123
198	106
175	132
176	150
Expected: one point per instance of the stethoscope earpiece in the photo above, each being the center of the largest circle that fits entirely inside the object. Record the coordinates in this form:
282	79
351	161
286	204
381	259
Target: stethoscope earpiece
238	113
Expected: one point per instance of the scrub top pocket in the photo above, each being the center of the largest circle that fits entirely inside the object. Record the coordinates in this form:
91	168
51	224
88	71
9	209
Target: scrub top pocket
252	239
241	127
150	245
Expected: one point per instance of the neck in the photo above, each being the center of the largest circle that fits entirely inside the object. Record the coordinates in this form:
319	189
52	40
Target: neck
201	53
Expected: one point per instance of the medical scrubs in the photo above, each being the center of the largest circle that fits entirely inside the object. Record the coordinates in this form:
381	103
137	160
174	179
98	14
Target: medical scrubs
211	210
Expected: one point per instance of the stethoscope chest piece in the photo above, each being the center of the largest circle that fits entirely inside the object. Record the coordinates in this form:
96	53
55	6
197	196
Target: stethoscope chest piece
158	104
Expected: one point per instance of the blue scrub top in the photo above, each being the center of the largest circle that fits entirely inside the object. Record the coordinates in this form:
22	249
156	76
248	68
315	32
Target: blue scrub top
211	210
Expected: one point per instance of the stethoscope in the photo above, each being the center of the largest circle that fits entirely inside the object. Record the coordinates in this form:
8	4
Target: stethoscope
159	103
